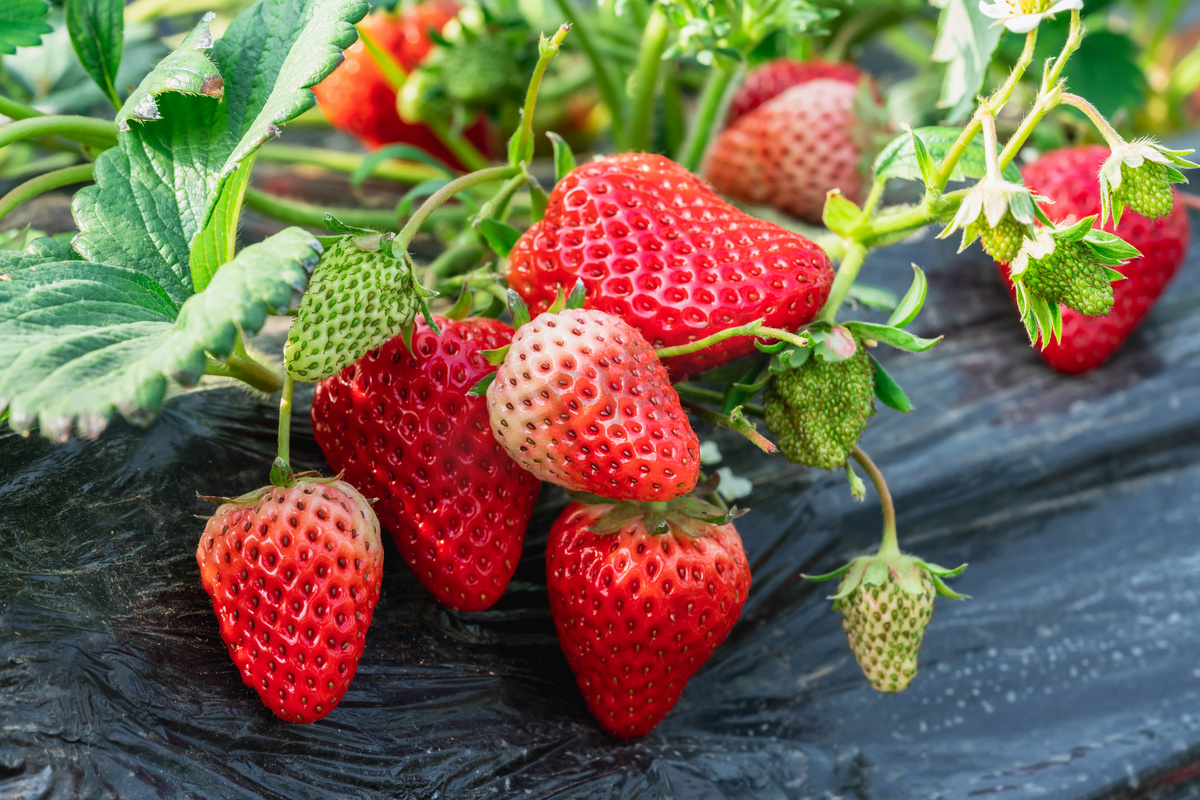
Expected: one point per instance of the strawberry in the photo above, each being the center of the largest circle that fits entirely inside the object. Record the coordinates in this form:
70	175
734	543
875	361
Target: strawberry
294	576
641	598
400	425
582	401
654	246
818	410
358	99
1068	177
777	76
795	148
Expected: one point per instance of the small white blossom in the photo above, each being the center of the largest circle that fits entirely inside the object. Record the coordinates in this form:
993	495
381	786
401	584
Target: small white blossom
1022	16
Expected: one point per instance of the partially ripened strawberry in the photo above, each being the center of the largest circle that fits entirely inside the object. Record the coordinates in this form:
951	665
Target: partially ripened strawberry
795	148
400	426
654	246
582	401
1068	178
358	99
638	612
777	76
294	576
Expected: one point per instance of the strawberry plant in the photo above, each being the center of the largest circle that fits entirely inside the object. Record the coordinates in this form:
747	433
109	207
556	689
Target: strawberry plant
643	301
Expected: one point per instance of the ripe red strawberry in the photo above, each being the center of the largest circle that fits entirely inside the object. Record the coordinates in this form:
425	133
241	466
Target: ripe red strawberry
358	99
294	577
582	401
775	77
1068	177
654	246
401	426
638	613
792	150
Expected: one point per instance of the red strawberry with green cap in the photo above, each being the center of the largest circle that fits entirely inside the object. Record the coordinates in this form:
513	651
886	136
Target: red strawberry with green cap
582	401
399	424
1068	177
655	247
294	575
641	596
775	77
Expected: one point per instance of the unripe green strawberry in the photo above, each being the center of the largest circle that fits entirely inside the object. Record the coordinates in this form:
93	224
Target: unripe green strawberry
885	625
1002	242
1071	275
360	296
1146	189
818	410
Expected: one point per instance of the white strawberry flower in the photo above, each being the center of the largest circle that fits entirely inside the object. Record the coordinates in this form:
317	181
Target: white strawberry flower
1022	16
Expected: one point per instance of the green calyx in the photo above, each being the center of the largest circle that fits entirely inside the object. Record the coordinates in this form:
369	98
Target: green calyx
255	495
1139	175
689	515
880	569
1001	214
1073	276
361	294
818	409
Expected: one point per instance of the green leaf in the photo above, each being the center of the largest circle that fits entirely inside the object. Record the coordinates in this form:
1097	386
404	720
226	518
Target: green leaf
97	29
22	24
914	298
873	296
564	157
84	340
899	158
893	336
887	390
966	40
187	70
500	236
538	200
216	243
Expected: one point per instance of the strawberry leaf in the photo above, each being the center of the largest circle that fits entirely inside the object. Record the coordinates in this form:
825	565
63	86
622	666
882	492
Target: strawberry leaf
187	69
86	339
840	214
97	29
914	298
873	296
890	335
500	236
22	24
899	158
887	390
966	40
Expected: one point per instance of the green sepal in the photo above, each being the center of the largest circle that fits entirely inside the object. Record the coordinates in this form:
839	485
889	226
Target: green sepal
518	309
828	576
840	214
335	225
500	236
564	158
496	357
873	296
577	297
481	386
887	390
924	161
462	306
912	301
905	570
560	301
1077	231
887	334
1113	275
858	489
688	515
538	200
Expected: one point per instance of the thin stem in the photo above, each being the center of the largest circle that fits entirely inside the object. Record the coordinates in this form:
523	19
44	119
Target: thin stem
1109	133
445	193
281	470
98	132
547	50
470	155
989	146
889	546
604	79
45	183
705	120
338	161
500	200
295	212
738	425
247	369
17	111
873	197
847	272
645	80
755	328
993	104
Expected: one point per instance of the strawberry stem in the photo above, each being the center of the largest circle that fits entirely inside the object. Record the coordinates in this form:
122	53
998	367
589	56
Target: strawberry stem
889	545
604	79
247	369
392	169
645	80
281	470
847	272
699	394
445	193
520	148
43	183
724	70
755	328
736	423
85	130
1109	133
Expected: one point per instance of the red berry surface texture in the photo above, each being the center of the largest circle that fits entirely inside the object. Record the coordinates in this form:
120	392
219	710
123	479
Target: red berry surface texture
294	576
400	426
654	246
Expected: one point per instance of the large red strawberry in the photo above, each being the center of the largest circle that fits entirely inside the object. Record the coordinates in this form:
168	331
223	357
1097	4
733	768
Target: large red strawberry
777	76
294	576
1068	177
358	99
793	149
582	401
400	426
654	246
638	612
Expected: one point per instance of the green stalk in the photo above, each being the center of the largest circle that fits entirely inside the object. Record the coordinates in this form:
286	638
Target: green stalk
281	470
295	212
547	50
992	105
696	393
1109	133
17	111
445	193
604	78
755	328
338	161
45	183
645	81
847	272
87	130
889	546
741	426
706	118
247	369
